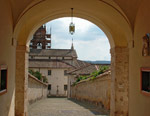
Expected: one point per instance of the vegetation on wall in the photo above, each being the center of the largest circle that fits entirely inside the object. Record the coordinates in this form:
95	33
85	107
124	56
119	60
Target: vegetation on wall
38	75
45	79
93	75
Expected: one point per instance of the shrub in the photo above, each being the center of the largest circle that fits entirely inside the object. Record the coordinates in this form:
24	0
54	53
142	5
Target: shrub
38	75
93	75
31	71
45	79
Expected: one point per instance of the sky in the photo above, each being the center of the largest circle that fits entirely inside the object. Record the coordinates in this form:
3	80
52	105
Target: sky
89	40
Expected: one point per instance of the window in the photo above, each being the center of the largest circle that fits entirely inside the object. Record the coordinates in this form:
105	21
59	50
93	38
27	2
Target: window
49	72
49	86
39	45
3	79
145	81
31	44
65	72
32	57
65	87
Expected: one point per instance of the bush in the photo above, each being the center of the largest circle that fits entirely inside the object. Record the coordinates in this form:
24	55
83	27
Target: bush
38	75
31	71
101	70
81	78
93	75
45	79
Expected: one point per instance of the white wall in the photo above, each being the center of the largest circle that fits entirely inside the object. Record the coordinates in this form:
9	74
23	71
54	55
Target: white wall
7	56
57	77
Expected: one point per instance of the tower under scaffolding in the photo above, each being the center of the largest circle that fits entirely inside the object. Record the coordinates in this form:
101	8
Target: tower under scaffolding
41	39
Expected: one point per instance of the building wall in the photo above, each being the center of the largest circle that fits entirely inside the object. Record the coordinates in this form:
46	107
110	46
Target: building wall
139	104
57	77
36	89
71	80
97	91
7	57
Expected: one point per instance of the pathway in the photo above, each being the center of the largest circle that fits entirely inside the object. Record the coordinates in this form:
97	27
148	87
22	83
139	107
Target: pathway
63	107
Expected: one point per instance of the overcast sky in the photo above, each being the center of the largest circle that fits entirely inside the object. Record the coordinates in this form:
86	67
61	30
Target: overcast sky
89	40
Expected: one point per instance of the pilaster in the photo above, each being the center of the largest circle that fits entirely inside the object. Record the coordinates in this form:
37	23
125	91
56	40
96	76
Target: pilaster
119	81
21	101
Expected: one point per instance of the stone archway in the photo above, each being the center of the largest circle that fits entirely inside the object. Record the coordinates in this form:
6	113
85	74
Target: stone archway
107	15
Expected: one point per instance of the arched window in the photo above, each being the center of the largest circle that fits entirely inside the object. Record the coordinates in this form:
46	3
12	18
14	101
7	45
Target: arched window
39	45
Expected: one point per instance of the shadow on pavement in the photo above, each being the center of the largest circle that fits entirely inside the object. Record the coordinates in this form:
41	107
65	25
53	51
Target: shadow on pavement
96	110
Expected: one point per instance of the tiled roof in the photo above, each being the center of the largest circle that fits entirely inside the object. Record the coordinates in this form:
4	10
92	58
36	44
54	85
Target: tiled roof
53	52
49	64
86	70
75	66
79	63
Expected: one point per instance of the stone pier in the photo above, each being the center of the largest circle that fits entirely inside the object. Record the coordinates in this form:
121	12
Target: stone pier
21	100
119	81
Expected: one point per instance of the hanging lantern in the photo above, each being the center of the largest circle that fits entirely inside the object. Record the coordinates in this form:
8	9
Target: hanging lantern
72	26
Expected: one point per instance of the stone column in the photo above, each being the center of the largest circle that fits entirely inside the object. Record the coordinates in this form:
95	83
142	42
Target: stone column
21	101
119	81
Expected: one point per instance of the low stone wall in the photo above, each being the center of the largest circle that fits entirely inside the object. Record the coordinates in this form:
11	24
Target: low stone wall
96	91
36	89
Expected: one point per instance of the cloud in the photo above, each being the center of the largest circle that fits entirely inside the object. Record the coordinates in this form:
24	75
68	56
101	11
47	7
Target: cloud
92	50
89	41
86	50
81	25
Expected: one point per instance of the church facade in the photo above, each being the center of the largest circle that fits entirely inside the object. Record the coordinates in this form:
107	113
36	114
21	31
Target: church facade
54	64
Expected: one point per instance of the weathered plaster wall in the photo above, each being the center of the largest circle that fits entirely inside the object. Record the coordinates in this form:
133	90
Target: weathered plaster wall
97	91
36	89
7	56
139	104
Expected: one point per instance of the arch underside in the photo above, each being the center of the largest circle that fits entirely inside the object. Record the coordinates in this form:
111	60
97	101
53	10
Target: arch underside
107	16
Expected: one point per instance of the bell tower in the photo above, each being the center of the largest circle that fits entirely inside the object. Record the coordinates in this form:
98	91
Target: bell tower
41	40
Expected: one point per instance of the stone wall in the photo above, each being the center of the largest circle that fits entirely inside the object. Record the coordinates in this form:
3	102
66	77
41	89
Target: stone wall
36	89
119	81
96	91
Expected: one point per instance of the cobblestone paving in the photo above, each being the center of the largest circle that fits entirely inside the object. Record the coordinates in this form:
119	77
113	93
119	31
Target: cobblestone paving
64	107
